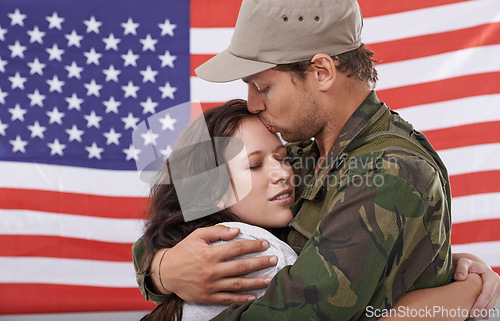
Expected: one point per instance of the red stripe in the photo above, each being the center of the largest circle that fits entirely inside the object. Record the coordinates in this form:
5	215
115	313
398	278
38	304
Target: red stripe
195	112
446	138
71	203
416	47
442	90
475	183
476	231
206	106
214	13
52	246
49	298
466	135
435	91
196	61
372	8
223	13
64	247
428	45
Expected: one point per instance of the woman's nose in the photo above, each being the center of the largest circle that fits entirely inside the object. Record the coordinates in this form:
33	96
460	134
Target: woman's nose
280	172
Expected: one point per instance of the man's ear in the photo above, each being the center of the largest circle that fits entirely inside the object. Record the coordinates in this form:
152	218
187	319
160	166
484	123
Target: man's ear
324	71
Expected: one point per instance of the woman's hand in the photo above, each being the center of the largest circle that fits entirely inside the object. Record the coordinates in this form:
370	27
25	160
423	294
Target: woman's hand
467	263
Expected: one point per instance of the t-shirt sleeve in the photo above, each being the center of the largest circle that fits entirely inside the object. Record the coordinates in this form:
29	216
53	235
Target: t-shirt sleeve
285	254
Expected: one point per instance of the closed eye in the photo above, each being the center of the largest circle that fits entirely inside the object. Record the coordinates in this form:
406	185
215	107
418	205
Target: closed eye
263	91
255	166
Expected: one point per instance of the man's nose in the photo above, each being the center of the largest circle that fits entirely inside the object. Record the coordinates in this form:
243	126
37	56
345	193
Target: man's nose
255	102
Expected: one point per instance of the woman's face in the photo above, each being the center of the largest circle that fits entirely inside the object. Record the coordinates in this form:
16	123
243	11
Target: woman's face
263	168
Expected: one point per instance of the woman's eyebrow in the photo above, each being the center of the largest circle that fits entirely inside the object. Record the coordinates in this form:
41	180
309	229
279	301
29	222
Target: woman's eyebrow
255	152
280	147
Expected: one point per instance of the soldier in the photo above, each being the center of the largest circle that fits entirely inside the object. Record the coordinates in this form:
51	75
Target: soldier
372	216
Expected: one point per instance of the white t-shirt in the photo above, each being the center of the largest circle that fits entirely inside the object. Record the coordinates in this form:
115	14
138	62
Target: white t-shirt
286	256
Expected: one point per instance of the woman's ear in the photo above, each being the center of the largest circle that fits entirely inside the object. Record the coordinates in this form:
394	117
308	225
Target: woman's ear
324	71
227	199
220	204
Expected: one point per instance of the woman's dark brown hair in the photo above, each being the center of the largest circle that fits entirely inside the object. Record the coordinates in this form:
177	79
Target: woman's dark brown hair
165	225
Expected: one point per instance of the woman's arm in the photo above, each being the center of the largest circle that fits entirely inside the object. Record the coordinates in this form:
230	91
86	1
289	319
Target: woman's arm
465	263
449	302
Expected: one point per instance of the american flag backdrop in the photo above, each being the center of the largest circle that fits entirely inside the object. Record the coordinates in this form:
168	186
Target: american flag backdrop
76	78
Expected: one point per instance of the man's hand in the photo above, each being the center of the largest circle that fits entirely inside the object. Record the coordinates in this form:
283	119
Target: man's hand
198	272
467	263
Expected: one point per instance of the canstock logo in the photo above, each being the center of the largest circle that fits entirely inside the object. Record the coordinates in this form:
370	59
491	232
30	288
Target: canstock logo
196	164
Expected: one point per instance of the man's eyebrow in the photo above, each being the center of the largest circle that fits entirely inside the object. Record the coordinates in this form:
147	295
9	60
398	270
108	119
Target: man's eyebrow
248	79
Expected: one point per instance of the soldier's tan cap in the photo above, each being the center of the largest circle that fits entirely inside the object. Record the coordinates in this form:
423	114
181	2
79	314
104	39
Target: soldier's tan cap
272	32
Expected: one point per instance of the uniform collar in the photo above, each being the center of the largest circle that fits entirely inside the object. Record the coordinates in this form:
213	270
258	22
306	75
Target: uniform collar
354	126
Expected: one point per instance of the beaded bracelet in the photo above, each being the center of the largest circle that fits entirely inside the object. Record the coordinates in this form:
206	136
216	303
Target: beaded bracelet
159	268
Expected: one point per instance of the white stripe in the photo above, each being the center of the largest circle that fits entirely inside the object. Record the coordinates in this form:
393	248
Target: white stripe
487	251
426	21
459	112
206	91
80	316
110	316
475	208
209	40
25	222
438	67
383	28
71	179
397	74
67	271
470	159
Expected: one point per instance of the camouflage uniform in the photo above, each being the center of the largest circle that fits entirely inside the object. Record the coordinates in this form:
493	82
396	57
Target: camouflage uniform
372	224
143	280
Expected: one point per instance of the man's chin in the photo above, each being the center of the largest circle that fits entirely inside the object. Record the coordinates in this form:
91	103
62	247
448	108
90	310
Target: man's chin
290	138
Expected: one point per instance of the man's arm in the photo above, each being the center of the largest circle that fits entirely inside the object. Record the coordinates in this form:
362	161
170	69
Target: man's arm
197	272
464	263
431	304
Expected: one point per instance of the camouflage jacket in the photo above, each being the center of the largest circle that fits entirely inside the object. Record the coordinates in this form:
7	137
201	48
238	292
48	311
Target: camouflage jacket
371	224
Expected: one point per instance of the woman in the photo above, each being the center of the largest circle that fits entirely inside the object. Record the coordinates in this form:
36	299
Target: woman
260	162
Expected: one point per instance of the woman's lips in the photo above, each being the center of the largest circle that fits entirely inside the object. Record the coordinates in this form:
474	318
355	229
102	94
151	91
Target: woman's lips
285	197
285	201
